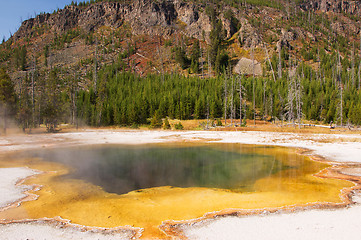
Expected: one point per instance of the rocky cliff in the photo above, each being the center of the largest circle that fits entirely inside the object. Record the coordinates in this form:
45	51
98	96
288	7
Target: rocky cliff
145	17
280	24
335	6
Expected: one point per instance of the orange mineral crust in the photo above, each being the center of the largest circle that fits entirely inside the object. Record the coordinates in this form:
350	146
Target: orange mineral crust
86	204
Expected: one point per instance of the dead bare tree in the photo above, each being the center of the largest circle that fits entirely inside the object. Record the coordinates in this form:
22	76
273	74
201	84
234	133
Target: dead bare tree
225	99
253	87
160	53
292	95
241	93
290	100
161	62
233	112
353	64
209	66
74	96
269	61
340	86
338	68
359	68
299	102
33	93
319	64
95	77
279	62
341	103
201	52
264	98
359	76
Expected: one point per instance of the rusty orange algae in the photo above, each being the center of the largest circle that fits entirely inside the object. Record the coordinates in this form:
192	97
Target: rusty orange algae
314	184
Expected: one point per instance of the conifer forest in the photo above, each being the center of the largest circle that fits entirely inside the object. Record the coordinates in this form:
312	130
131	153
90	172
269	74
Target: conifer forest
308	69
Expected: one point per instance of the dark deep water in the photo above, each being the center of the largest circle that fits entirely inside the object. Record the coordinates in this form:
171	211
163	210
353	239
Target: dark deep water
121	168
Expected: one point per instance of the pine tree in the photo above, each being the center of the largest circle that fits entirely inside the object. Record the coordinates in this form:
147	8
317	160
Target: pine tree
52	101
181	57
24	112
195	55
46	55
166	125
156	121
7	97
23	53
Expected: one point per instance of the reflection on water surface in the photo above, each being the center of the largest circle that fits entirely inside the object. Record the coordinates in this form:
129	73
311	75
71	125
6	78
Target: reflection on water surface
121	169
177	181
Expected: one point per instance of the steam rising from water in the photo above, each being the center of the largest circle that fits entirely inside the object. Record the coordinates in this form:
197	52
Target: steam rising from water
121	169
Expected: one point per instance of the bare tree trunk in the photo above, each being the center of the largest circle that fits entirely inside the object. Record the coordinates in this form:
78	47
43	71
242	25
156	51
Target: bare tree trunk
339	69
359	69
76	105
254	94
264	99
291	98
319	64
50	62
359	76
209	66
33	94
339	80
207	114
341	103
5	116
279	62
225	100
39	113
201	50
161	58
96	65
240	100
73	100
269	61
353	64
292	95
232	112
299	101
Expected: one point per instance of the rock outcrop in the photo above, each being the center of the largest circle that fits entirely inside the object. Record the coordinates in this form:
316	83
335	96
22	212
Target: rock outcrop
246	66
144	16
248	35
336	6
168	16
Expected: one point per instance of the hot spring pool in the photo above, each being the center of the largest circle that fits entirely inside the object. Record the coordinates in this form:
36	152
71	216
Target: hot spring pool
144	185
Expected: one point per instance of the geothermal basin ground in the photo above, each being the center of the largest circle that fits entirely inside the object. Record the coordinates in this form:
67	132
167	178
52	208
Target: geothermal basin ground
343	151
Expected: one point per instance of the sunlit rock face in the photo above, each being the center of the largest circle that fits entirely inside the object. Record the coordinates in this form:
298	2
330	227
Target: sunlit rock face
248	67
145	17
349	7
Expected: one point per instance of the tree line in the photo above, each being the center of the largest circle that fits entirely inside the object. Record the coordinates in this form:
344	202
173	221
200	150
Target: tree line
124	98
114	95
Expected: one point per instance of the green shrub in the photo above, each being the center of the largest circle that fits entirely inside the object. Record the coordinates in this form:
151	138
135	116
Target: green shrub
219	122
166	125
156	121
178	126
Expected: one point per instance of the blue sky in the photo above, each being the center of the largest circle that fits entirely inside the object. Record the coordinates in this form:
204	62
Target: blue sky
13	11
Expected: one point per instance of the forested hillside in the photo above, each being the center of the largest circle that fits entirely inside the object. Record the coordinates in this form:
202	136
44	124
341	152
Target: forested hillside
126	63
